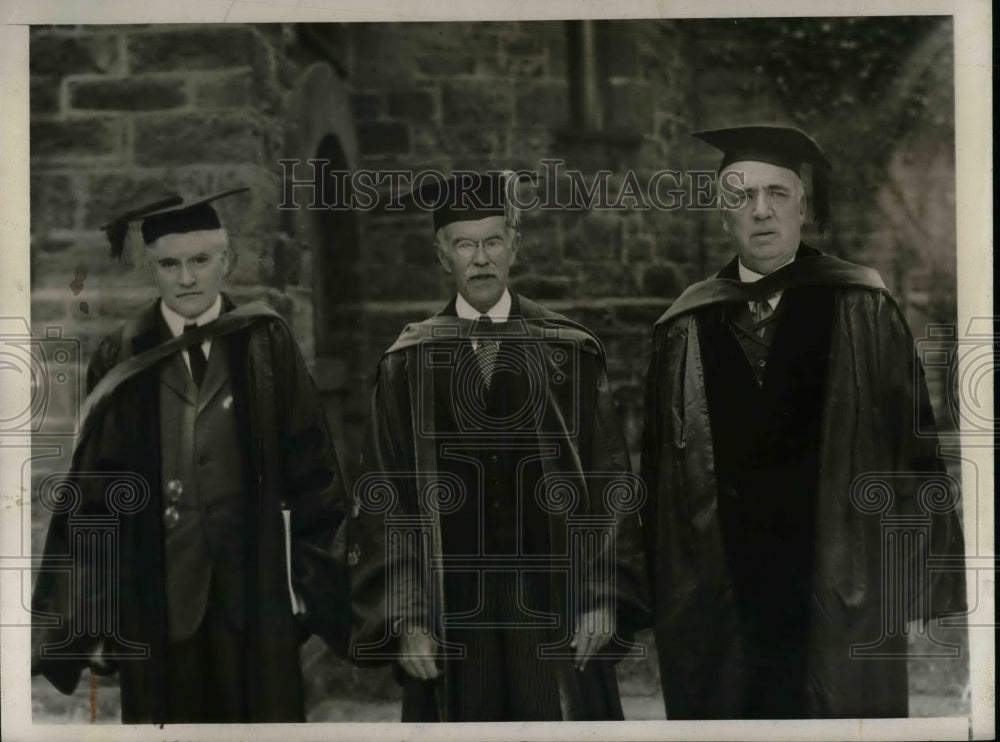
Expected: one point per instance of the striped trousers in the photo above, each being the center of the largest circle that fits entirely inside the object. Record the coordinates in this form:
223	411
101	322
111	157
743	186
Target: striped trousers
502	676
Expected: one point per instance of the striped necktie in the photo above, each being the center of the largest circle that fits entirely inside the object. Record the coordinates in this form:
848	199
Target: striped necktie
487	347
197	357
762	310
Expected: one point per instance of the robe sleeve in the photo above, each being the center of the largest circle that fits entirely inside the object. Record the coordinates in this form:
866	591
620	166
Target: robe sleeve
389	591
922	469
649	458
314	492
54	601
628	590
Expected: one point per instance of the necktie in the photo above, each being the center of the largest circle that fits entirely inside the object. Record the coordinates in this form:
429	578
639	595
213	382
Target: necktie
762	311
487	347
197	357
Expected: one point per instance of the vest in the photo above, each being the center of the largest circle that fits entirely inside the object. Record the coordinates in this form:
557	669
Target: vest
489	443
766	439
203	480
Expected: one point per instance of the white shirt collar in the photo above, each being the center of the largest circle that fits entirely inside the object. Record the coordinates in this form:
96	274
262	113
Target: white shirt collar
749	276
499	312
176	321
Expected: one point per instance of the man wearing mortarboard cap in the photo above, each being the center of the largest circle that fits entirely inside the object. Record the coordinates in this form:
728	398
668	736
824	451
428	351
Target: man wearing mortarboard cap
209	407
493	544
776	389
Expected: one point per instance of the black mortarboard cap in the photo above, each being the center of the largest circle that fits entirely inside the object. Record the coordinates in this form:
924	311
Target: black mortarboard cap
466	196
169	215
784	146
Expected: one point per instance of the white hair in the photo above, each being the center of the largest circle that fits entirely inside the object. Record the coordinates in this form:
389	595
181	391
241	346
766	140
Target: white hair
141	255
800	189
440	239
220	233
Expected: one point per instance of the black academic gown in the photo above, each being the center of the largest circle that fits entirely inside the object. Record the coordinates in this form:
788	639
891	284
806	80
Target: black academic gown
422	433
765	436
764	542
290	462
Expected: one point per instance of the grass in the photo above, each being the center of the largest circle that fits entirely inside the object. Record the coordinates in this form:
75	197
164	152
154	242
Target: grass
338	691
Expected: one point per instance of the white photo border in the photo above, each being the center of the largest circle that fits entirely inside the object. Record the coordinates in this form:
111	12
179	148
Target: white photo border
974	198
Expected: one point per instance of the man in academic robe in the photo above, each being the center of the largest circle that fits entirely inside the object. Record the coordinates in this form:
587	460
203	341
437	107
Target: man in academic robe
493	545
205	449
781	446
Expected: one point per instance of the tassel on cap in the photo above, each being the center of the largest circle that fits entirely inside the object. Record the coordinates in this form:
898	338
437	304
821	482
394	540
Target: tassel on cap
511	213
821	197
170	215
117	229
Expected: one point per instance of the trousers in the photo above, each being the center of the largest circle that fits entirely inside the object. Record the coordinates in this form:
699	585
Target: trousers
503	676
206	673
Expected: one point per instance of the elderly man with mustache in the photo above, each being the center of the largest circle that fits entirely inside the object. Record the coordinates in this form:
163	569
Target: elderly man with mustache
494	543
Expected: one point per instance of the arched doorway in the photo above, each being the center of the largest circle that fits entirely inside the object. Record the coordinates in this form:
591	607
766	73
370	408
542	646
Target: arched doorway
320	128
335	280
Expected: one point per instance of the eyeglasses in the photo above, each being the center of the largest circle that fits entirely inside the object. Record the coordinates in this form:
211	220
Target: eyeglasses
492	246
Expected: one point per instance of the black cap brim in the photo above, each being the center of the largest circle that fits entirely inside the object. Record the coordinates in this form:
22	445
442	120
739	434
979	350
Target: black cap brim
172	214
783	146
465	195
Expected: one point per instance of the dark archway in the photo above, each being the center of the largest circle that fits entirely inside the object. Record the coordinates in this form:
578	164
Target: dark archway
336	288
320	126
335	252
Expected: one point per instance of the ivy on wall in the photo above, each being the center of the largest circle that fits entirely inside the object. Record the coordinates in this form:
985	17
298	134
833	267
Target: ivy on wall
875	92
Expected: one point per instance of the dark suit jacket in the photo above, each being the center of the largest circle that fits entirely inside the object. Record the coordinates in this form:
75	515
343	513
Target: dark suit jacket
204	453
289	461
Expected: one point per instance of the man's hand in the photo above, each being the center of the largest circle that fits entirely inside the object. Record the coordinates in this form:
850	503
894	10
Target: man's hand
593	630
416	654
98	660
